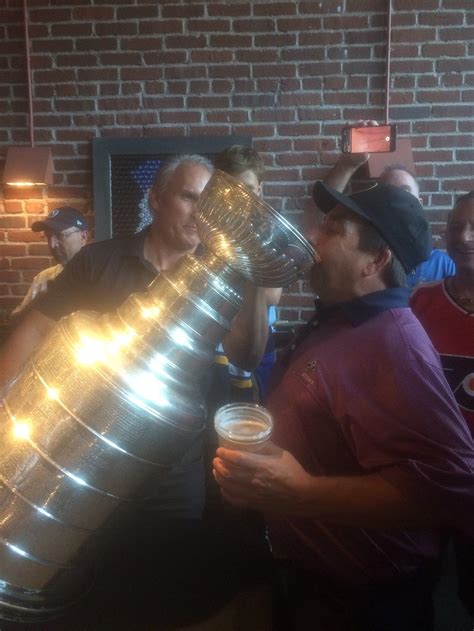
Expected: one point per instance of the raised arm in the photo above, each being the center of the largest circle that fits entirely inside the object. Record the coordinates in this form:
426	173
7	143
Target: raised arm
340	175
245	344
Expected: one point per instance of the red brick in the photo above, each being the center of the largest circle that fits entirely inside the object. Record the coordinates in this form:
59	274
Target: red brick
210	131
275	8
257	56
165	57
226	71
299	129
323	113
199	86
227	116
140	74
330	6
23	236
204	102
274	70
160	27
52	45
212	56
135	13
444	50
304	98
185	72
109	89
97	74
13	206
50	16
210	26
252	100
159	102
455	140
435	126
254	130
346	22
180	117
452	111
143	43
276	40
438	96
254	25
115	28
231	10
274	115
304	54
186	41
462	34
27	262
9	276
369	36
10	249
183	11
454	65
230	41
72	29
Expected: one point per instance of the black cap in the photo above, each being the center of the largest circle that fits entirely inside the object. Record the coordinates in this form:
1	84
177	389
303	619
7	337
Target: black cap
61	219
396	214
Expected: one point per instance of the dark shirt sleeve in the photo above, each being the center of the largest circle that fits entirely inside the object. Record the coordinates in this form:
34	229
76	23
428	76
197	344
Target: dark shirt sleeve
69	291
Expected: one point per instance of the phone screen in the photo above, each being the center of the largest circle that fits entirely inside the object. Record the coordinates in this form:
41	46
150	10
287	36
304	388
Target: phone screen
369	139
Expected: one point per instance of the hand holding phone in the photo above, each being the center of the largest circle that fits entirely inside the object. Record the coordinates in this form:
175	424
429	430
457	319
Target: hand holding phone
369	139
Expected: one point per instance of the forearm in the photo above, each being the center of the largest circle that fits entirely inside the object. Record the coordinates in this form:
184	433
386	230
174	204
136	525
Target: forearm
339	176
21	343
365	501
245	344
272	481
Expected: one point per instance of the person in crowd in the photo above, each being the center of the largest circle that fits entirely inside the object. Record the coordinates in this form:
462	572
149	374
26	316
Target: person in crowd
370	458
246	165
66	232
446	310
438	265
166	527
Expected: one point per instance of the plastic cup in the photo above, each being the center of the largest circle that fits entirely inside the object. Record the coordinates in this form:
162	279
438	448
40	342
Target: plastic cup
243	426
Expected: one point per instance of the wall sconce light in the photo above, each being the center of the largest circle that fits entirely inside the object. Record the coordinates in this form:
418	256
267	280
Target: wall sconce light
28	166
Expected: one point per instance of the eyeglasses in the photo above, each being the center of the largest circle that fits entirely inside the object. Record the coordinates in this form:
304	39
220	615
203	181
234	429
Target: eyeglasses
61	237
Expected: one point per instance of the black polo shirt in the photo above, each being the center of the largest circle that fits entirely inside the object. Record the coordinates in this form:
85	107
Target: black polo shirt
99	278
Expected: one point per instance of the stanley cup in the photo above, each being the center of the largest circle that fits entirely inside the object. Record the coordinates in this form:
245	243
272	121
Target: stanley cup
109	400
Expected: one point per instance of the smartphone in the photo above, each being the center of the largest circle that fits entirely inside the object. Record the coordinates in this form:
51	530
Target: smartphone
381	139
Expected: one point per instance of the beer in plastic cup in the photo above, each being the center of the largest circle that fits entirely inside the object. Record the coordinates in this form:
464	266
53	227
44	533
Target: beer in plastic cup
243	426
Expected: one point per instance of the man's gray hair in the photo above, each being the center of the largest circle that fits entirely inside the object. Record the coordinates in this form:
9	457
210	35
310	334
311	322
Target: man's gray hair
171	164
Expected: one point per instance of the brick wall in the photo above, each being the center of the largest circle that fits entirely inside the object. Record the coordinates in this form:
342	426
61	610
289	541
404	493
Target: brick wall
287	73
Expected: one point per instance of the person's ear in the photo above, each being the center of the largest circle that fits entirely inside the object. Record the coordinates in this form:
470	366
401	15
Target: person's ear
377	261
84	236
153	199
259	189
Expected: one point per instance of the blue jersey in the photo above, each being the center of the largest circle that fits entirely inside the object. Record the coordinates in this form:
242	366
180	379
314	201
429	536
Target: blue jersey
437	267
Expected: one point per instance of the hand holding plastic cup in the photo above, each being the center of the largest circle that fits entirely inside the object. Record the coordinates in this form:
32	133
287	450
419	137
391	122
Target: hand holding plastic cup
243	426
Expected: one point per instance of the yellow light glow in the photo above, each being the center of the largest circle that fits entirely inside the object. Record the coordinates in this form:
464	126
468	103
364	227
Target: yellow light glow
53	393
21	430
20	184
91	350
150	312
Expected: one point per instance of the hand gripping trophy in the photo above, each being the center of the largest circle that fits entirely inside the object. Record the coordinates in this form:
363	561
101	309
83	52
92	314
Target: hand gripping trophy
108	400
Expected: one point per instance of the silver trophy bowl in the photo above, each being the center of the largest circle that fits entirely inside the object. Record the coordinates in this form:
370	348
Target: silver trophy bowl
109	401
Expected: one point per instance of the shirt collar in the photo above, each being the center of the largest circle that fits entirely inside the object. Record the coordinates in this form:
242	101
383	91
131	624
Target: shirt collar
361	309
136	248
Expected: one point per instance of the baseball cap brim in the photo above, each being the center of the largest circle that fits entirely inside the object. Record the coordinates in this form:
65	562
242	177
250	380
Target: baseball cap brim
327	198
